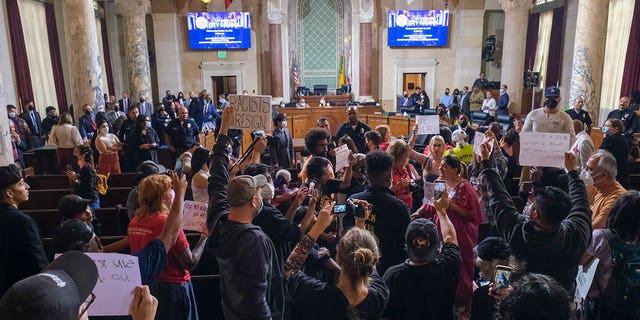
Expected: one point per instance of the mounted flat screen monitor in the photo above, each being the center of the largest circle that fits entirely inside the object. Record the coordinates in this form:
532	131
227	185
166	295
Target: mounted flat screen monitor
418	28
219	30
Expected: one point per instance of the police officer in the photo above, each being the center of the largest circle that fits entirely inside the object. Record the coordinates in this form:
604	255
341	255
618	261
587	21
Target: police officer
181	133
126	135
628	116
355	129
578	114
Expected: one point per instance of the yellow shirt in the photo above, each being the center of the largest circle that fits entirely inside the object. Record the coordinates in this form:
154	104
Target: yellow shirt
464	154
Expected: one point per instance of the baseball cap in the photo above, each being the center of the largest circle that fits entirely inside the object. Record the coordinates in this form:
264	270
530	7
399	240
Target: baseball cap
9	175
422	240
242	189
493	248
72	234
147	168
55	293
71	205
552	92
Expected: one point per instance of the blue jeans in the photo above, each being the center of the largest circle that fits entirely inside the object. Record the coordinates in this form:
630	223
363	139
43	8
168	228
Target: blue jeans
175	301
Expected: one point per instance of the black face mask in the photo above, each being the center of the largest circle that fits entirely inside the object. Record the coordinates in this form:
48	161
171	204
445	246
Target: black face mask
87	112
446	93
463	123
141	100
406	95
551	103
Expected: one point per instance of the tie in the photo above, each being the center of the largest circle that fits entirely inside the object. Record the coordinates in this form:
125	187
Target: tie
93	123
204	110
35	124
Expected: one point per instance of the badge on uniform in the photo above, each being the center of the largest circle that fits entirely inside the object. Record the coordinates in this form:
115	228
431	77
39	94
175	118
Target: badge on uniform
361	130
188	125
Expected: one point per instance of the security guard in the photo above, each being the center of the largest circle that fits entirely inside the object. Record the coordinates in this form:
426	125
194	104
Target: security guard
181	133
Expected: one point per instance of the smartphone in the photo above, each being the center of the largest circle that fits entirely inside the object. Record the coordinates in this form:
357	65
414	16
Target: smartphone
179	172
340	209
69	168
503	277
438	189
312	186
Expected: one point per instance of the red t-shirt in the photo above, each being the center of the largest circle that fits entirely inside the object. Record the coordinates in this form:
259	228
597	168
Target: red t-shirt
143	231
403	194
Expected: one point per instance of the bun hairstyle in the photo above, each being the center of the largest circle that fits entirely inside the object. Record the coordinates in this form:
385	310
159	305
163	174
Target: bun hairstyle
87	153
358	254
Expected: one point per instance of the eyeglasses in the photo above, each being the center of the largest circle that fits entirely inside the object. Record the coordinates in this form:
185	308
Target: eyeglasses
86	304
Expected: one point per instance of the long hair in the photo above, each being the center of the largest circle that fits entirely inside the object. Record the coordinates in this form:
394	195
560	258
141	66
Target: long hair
151	193
455	163
199	158
624	219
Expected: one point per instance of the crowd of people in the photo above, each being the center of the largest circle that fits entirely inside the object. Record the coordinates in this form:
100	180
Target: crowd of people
375	238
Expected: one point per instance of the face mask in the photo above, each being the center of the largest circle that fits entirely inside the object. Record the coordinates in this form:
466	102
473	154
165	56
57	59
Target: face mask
141	100
268	191
161	110
551	104
30	107
12	114
148	123
260	207
501	90
87	112
586	178
488	96
104	130
463	123
446	93
406	95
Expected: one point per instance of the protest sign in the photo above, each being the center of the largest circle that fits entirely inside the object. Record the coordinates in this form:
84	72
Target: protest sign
195	215
584	279
428	124
478	139
342	157
429	191
118	275
543	149
251	112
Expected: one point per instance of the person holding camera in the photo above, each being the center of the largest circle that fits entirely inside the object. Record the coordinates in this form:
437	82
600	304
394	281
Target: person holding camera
359	293
281	145
390	216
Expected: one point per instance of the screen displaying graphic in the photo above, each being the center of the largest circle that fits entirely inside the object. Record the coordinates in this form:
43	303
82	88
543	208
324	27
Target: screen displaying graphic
418	28
219	30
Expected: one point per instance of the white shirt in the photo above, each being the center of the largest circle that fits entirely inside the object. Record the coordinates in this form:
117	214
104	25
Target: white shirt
489	106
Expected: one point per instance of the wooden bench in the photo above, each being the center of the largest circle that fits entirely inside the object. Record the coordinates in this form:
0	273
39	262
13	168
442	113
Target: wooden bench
44	199
115	196
113	221
60	181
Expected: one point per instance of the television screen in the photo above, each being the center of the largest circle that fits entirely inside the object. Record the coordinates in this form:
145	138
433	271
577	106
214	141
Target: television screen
219	30
418	28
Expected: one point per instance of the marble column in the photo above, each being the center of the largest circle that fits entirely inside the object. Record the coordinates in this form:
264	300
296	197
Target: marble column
83	55
136	52
515	36
366	39
588	54
275	55
166	29
7	93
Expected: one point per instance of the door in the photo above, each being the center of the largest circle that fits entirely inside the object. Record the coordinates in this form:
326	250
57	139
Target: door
223	84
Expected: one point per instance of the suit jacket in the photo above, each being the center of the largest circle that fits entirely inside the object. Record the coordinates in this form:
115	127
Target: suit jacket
85	127
26	116
145	108
122	106
196	108
281	149
503	104
465	103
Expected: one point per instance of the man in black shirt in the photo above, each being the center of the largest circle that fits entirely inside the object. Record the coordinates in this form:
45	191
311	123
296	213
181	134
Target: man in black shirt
49	121
389	217
355	129
629	117
577	113
125	134
21	251
424	286
181	133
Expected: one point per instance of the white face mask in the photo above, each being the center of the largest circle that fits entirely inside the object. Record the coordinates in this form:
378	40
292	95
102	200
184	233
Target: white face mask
586	177
12	114
488	96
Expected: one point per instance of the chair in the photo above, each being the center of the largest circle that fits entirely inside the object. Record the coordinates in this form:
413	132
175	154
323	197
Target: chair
506	121
320	90
429	112
478	117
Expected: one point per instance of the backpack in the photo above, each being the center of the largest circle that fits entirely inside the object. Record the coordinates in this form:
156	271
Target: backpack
626	275
101	183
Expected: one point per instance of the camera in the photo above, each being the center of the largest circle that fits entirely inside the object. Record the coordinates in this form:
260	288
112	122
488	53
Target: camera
350	207
259	134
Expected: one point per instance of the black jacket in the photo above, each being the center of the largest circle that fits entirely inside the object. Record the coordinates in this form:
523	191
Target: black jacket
251	281
555	253
388	222
21	251
618	145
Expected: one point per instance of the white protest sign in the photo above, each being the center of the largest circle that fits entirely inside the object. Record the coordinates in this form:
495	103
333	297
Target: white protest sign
543	149
251	112
342	157
428	124
118	275
584	279
194	216
478	140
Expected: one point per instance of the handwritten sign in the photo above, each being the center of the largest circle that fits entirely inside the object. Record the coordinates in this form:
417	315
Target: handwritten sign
428	124
251	112
118	275
342	157
584	279
543	149
429	192
478	139
195	215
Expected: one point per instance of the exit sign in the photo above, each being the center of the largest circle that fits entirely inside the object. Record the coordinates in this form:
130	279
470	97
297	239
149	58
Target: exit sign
222	54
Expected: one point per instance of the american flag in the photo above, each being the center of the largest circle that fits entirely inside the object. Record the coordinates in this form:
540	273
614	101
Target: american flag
296	75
